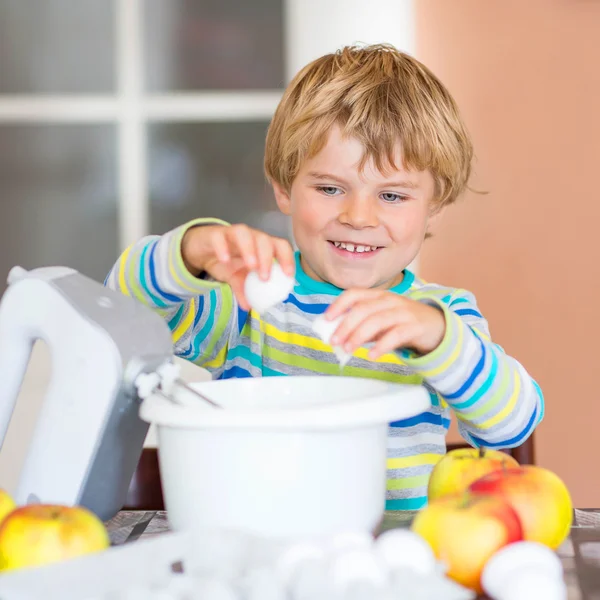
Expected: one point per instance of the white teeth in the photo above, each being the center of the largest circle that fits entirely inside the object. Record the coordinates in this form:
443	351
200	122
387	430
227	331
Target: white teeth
354	248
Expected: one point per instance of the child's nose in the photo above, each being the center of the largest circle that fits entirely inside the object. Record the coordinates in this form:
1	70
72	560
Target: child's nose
359	212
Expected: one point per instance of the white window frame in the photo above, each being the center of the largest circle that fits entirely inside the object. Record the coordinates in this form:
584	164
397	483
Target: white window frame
131	108
311	28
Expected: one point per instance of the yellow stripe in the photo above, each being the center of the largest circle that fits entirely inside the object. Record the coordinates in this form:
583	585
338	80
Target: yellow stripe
303	341
413	461
218	360
187	321
134	283
407	482
451	359
122	283
508	408
481	334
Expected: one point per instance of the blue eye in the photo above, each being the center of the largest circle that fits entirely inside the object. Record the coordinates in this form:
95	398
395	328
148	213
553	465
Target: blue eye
392	197
329	190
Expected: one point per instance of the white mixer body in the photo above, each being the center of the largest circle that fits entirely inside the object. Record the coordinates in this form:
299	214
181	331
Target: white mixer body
88	436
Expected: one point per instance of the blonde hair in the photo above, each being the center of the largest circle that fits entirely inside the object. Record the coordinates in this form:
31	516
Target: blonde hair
381	97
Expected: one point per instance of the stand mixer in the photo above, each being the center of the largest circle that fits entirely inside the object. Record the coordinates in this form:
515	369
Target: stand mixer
88	437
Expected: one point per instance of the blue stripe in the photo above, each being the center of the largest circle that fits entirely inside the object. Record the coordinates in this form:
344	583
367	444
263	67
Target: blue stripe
312	309
175	320
208	325
242	316
434	398
143	281
406	503
467	311
542	403
190	350
514	441
469	382
426	417
457	301
169	297
484	387
272	373
235	373
245	354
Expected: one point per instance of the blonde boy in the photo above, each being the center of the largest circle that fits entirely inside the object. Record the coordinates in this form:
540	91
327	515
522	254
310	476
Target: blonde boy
364	151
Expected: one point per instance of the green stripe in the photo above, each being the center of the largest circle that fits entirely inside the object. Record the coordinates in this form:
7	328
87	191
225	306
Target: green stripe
404	483
222	322
304	362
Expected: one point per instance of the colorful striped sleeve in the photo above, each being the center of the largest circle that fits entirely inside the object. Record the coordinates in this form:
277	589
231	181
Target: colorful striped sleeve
497	403
199	313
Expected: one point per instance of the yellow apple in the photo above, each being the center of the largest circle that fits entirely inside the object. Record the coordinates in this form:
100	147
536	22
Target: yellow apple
7	504
539	497
465	530
457	469
40	534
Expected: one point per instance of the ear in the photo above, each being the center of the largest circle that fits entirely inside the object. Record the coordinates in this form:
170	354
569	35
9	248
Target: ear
282	198
435	216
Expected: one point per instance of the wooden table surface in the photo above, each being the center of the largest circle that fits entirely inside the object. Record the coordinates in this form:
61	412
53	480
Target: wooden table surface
580	554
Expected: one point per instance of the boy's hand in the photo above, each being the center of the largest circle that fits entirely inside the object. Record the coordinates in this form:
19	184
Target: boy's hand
228	254
388	320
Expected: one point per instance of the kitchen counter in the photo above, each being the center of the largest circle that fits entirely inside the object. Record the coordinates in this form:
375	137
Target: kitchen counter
580	554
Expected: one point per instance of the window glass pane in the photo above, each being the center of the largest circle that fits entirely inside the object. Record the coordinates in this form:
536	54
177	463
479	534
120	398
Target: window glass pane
211	170
56	46
58	198
214	44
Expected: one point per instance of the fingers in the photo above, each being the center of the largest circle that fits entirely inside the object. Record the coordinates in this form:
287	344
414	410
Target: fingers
373	327
220	245
258	250
360	311
236	282
284	253
265	250
241	242
394	338
344	302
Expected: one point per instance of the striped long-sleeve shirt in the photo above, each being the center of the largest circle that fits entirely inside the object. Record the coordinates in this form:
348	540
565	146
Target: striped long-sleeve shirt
496	402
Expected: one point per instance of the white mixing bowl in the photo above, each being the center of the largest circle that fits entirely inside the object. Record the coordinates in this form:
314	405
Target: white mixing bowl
287	456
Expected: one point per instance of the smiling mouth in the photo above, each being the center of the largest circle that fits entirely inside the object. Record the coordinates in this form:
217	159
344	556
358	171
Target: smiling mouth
355	248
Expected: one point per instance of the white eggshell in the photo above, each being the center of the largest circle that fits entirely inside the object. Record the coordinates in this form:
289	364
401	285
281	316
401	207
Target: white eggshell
403	549
533	582
263	295
295	555
350	540
325	329
357	565
510	559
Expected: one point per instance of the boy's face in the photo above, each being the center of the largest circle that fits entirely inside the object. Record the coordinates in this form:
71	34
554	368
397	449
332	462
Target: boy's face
356	229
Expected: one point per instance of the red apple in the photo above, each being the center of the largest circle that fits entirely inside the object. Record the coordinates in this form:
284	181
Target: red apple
457	469
539	497
465	530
